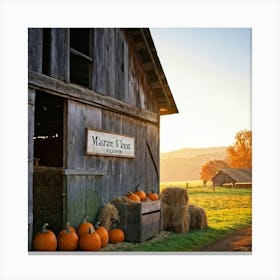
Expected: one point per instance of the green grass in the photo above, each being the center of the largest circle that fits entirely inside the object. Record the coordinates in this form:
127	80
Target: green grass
228	210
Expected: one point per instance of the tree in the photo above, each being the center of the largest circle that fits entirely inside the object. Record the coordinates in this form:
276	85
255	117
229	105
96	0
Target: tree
209	169
240	154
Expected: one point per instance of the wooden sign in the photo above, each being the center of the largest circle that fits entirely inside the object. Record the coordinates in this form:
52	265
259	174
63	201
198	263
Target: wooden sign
109	144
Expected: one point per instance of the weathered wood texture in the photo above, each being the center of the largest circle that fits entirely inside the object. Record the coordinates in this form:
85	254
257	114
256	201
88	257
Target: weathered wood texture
35	49
59	54
31	103
117	175
140	221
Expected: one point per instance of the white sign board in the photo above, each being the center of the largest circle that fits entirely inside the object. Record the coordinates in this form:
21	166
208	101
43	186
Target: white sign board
109	144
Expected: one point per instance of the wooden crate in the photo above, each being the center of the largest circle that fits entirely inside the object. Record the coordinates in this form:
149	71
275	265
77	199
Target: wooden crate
140	221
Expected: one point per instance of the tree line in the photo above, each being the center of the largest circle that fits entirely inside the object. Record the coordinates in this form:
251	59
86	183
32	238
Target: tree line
239	155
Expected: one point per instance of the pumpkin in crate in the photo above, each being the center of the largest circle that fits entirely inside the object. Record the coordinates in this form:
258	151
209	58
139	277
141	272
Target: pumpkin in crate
116	235
68	239
84	226
152	196
141	194
133	197
103	233
45	240
90	241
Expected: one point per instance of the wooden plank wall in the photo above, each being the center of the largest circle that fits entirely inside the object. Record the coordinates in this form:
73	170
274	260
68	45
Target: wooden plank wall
111	176
91	181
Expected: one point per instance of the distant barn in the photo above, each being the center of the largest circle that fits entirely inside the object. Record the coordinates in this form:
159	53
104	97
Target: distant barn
238	177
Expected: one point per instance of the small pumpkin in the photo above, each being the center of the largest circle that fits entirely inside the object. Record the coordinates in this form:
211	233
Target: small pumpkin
140	193
90	241
116	235
133	197
45	240
68	239
103	233
152	195
84	226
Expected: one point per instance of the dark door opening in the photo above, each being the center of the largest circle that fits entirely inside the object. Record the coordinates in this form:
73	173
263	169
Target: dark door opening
48	162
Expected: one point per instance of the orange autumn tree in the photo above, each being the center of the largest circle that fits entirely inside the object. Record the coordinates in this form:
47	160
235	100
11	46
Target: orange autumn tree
209	169
240	154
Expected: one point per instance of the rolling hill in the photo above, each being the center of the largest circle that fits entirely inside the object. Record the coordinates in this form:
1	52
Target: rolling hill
185	164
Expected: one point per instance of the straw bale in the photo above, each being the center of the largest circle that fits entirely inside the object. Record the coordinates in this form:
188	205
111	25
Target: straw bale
123	199
198	217
175	196
107	215
175	218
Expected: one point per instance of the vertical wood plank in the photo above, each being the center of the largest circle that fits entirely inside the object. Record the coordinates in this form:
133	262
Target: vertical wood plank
111	62
120	63
31	111
60	56
35	49
99	60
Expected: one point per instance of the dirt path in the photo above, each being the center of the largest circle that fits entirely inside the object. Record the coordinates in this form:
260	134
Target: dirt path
238	241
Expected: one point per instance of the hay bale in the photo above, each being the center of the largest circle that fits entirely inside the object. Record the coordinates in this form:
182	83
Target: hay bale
198	217
107	215
175	218
123	199
174	196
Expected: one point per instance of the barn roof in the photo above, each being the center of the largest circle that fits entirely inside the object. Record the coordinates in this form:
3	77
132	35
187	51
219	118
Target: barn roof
237	174
146	51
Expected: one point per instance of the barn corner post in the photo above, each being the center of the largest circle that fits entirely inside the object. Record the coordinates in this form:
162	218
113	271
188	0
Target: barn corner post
106	81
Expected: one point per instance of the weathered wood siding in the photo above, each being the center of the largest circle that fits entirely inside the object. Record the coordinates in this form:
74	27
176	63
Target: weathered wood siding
31	107
117	96
108	177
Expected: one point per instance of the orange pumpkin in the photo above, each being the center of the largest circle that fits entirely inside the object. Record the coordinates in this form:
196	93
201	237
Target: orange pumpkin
68	239
152	196
133	197
90	241
103	233
45	240
116	235
141	194
72	229
84	226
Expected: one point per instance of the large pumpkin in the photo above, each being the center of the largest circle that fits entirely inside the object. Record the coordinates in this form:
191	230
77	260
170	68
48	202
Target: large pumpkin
68	239
103	233
84	227
90	241
45	240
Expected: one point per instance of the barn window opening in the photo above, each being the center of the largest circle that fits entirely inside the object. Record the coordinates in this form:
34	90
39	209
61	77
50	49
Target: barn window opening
81	56
46	50
48	130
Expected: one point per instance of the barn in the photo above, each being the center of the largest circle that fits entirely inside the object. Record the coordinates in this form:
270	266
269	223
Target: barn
95	97
234	176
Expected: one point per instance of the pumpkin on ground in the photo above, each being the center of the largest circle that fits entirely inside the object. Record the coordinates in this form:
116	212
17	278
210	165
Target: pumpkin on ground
71	228
68	239
90	241
116	235
133	197
152	196
103	233
84	226
45	240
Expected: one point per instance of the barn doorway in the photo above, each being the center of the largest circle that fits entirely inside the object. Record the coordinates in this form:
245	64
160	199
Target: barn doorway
48	162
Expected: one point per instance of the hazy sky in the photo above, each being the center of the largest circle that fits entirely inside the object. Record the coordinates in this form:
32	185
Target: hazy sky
209	73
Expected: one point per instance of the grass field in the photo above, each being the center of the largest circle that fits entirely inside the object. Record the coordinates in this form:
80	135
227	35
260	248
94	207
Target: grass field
228	210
